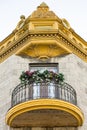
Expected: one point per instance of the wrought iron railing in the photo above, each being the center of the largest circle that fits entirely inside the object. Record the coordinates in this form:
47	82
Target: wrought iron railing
61	91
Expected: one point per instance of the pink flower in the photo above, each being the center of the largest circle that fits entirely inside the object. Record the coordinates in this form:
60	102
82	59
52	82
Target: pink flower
29	73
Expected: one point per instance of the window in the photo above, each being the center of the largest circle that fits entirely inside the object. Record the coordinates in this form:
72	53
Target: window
44	66
48	90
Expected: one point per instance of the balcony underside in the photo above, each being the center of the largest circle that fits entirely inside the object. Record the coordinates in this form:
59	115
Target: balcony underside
45	118
44	113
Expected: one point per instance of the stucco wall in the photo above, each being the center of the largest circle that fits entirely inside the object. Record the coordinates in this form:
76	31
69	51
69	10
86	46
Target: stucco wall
74	69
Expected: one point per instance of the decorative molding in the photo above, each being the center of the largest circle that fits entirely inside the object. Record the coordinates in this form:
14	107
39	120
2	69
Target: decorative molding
60	38
43	26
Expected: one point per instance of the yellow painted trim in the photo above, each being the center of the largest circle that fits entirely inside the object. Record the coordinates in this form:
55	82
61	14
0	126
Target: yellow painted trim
44	104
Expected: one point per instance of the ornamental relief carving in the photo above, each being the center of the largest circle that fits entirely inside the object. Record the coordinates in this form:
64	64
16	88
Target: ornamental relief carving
38	50
21	27
2	48
42	14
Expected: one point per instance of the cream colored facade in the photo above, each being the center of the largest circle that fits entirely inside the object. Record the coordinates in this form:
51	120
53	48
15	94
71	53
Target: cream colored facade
43	38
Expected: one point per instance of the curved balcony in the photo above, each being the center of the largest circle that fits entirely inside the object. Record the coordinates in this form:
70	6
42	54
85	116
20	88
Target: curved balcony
44	105
26	92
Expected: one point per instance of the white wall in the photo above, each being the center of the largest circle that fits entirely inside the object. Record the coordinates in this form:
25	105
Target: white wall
74	69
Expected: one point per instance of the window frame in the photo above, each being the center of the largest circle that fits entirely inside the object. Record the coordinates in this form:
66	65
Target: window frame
48	65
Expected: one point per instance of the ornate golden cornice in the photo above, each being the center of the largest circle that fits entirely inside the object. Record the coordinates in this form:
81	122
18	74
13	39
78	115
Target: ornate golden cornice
43	35
60	40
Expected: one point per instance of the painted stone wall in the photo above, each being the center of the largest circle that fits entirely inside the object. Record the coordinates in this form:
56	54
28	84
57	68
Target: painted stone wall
74	69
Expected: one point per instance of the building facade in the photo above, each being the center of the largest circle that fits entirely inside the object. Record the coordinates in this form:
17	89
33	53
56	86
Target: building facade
43	78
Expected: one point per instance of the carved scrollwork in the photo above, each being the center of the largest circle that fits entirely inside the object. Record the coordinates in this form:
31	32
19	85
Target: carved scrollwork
21	22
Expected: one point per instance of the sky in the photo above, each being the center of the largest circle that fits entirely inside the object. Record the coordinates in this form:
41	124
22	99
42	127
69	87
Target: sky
74	11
